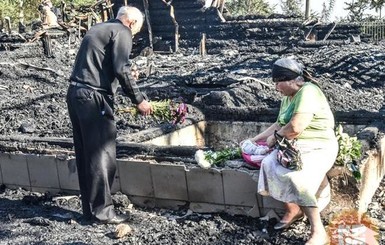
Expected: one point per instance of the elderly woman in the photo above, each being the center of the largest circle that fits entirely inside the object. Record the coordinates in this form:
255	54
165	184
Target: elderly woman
304	115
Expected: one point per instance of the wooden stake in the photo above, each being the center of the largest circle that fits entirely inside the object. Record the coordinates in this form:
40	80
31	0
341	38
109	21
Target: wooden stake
222	6
176	28
147	13
7	21
202	46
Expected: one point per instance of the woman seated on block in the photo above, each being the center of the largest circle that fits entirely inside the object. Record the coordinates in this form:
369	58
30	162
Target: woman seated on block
304	115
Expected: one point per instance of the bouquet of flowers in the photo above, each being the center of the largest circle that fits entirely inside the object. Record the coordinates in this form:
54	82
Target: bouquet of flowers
167	110
206	159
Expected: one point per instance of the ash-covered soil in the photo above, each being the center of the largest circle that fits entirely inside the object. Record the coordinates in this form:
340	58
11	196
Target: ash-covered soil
36	218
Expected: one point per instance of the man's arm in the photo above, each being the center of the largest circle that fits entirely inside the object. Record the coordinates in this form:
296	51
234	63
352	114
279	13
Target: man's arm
121	50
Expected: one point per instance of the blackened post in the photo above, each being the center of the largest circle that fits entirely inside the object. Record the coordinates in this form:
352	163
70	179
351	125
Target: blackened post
147	13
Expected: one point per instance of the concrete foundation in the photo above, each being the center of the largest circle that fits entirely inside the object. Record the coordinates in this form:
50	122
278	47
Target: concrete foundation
152	184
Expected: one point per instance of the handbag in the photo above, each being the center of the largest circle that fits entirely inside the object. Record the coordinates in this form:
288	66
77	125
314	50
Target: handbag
288	154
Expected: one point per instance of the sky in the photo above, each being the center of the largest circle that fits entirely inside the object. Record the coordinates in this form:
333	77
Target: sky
316	6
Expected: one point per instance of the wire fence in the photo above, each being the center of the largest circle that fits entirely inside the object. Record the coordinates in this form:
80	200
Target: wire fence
375	30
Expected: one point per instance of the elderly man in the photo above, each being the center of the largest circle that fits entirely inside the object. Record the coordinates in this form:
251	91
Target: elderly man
102	61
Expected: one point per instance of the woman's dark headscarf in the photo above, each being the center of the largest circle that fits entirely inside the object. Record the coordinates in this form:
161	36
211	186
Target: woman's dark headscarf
286	69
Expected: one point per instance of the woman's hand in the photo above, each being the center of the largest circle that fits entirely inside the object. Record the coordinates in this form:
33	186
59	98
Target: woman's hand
271	140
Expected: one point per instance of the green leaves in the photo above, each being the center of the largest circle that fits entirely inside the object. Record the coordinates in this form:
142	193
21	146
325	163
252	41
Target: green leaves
164	110
349	152
219	157
245	7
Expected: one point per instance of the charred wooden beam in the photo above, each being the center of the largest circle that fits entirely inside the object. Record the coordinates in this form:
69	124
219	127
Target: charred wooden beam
148	21
176	25
202	46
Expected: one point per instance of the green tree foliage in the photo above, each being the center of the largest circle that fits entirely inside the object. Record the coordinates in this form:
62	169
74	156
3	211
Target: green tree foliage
327	10
358	7
377	4
292	7
11	8
245	7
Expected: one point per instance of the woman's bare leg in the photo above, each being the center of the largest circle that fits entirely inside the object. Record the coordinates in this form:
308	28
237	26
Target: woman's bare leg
292	210
318	234
293	213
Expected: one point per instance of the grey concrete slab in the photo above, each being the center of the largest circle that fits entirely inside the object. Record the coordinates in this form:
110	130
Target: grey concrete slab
205	185
14	187
68	175
269	202
265	211
254	212
206	207
135	178
43	171
169	181
239	188
14	169
240	210
170	204
148	202
45	189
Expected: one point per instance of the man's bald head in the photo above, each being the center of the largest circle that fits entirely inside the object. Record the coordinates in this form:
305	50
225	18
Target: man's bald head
131	17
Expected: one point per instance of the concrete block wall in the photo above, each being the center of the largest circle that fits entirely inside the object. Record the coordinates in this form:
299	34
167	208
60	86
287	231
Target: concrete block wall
147	184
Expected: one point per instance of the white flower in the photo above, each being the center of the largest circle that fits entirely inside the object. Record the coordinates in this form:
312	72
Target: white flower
200	159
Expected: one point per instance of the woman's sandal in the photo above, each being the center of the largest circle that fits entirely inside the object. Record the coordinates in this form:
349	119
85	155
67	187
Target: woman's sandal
286	224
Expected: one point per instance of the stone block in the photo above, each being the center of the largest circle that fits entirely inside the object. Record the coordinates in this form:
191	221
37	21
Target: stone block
14	170
145	202
45	189
266	211
169	181
135	178
271	203
68	175
14	187
170	204
242	210
206	207
239	188
205	186
43	171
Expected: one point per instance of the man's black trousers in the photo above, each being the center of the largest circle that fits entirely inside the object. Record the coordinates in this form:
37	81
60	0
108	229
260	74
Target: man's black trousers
94	134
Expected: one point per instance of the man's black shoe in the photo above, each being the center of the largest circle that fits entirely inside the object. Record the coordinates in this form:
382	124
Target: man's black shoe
117	219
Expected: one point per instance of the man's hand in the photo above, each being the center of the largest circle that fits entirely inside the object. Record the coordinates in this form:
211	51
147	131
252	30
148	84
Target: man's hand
145	108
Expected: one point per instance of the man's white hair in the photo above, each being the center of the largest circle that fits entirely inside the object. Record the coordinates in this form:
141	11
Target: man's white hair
132	14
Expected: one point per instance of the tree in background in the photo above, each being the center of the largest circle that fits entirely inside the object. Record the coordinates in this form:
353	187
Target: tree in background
11	8
377	5
245	7
358	7
292	7
327	10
